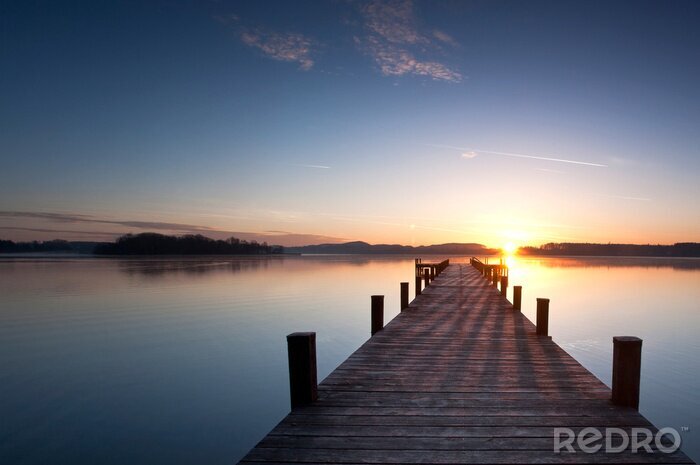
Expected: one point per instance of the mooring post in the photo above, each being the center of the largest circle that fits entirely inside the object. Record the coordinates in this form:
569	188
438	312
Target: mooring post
404	296
542	317
377	313
517	297
627	364
303	384
504	285
418	284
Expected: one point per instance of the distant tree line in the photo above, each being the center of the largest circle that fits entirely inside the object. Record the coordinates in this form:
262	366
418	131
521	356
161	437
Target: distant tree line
35	246
680	249
160	244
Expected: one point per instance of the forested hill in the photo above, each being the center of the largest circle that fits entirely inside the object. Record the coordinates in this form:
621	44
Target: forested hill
160	244
359	247
680	249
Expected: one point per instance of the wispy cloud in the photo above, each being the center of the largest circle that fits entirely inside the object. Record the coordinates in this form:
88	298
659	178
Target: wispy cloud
393	20
393	40
444	37
291	47
470	153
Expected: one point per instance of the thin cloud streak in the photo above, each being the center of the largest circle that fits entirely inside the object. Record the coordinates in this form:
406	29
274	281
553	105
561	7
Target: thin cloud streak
64	231
516	155
282	238
319	167
624	197
76	218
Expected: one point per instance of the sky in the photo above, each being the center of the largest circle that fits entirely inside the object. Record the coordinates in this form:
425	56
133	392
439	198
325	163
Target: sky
301	122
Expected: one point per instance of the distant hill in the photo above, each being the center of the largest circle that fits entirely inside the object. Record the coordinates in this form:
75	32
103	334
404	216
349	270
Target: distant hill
359	247
160	244
680	249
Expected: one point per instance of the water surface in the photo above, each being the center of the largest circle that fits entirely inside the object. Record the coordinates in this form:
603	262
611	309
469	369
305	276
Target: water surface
177	360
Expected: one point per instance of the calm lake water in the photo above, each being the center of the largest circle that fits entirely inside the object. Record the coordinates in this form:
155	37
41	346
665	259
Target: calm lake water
147	361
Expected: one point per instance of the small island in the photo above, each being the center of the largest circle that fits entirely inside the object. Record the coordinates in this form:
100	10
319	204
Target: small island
161	244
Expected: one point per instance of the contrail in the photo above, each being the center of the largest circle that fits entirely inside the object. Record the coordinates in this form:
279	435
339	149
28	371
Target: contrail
519	155
320	167
624	197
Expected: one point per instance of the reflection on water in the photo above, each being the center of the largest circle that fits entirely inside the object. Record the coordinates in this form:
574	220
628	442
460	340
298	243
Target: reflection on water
605	262
594	299
183	360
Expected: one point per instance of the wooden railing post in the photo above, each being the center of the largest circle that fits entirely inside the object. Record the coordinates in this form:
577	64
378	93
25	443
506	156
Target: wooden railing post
494	281
377	313
303	384
404	296
504	285
517	297
627	364
418	285
542	317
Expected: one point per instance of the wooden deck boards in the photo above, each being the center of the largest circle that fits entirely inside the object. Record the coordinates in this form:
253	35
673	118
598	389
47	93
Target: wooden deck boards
458	377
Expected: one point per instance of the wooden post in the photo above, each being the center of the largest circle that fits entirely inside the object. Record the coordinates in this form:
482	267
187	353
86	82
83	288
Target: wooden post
542	317
404	296
495	278
377	313
418	284
517	297
426	276
303	384
504	285
627	364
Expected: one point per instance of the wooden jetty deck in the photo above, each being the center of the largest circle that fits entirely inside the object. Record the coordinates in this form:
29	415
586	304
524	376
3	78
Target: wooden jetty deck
457	377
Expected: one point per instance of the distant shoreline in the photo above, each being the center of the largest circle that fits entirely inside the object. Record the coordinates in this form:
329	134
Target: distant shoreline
153	244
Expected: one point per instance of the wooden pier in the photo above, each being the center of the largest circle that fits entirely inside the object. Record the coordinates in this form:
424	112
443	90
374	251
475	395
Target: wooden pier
459	376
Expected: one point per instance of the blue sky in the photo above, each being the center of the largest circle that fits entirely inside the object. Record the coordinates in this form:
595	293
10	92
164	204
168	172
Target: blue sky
303	122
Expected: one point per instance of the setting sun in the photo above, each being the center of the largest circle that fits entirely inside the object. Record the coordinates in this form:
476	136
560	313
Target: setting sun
510	248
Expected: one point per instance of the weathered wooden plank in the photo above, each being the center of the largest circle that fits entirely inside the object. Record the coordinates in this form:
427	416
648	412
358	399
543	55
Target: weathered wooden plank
608	420
349	455
543	442
373	431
